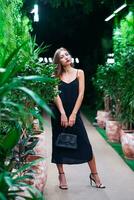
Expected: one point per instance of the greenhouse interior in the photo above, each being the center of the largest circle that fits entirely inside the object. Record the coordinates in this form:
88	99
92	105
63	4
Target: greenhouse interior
66	99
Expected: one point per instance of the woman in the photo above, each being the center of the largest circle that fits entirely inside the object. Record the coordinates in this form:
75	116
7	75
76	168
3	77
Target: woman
67	117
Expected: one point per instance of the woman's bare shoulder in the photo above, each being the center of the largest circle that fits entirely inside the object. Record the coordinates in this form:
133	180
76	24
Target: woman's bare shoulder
80	72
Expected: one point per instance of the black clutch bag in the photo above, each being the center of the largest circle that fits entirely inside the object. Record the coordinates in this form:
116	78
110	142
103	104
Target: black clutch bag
67	140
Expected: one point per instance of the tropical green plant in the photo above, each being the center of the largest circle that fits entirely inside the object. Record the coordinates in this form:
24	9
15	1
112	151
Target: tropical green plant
23	149
116	79
13	184
21	79
106	83
15	28
14	117
124	57
34	67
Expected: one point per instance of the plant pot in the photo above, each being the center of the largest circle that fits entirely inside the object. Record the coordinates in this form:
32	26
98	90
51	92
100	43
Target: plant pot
127	143
36	125
40	169
31	158
102	117
40	175
40	148
113	131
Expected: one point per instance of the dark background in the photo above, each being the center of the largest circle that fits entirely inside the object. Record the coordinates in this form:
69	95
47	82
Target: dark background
81	29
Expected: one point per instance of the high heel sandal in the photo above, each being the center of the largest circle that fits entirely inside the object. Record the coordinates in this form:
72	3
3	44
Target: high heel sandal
101	186
62	186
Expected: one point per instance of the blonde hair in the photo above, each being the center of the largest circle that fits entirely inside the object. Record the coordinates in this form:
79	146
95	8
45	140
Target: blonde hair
56	60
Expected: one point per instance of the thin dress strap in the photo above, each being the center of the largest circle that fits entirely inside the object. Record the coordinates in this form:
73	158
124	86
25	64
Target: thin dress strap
77	73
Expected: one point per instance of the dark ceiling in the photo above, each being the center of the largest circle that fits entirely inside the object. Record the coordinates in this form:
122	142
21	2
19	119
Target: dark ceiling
75	24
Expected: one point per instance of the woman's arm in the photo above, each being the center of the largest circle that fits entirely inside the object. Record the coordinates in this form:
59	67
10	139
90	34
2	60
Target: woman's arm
58	102
81	79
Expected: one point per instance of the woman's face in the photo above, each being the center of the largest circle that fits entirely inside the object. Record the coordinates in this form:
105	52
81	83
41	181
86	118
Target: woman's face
65	58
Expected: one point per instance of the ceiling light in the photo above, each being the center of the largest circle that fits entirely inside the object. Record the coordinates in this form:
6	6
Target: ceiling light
40	59
36	18
50	60
110	17
115	12
110	60
2	70
120	8
72	60
76	60
36	13
45	60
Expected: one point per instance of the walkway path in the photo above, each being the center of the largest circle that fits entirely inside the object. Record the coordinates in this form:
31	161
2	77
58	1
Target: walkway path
115	174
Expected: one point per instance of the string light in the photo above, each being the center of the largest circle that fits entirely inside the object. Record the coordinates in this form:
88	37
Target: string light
76	60
50	60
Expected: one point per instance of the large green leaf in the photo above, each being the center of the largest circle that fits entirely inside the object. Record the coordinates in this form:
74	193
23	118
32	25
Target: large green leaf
25	167
8	180
37	99
3	185
2	196
35	78
11	139
35	194
10	68
21	178
13	111
7	87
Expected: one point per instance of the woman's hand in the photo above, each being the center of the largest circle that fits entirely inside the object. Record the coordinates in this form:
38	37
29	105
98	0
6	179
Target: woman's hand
64	120
72	119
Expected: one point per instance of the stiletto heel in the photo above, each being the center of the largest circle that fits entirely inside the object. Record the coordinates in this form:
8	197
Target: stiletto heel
90	180
61	185
100	185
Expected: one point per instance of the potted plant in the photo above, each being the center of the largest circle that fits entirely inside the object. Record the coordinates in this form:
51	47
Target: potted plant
126	52
113	79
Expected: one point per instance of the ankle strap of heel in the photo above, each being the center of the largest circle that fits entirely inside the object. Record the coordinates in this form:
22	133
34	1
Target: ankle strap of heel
94	173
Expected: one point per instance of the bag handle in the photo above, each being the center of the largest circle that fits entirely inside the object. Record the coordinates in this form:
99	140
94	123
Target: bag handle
66	130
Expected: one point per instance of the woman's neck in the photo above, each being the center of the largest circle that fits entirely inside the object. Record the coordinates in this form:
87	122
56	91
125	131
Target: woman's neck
68	69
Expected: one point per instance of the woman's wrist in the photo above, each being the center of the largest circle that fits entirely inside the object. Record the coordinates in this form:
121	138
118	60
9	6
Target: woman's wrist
63	113
74	113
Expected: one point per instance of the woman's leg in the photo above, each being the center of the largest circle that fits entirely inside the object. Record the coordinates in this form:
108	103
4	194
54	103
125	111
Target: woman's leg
60	168
62	178
94	174
92	165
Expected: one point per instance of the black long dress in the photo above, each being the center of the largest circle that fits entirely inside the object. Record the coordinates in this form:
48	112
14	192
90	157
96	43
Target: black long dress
68	95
